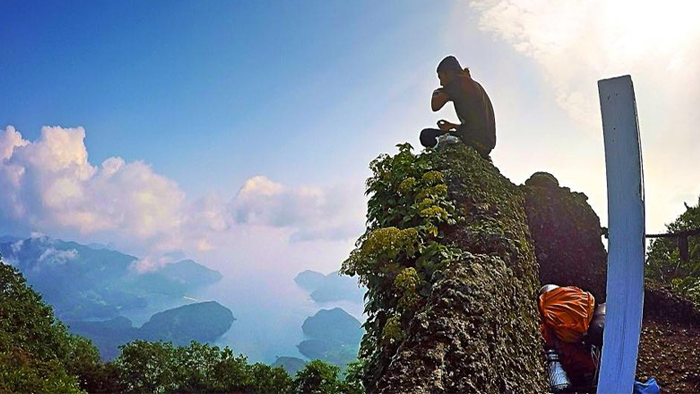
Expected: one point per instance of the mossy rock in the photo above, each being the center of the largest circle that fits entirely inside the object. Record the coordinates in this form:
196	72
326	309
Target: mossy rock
567	236
478	329
477	334
542	179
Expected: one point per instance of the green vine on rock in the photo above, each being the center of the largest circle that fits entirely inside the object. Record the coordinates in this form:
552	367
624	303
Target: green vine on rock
408	212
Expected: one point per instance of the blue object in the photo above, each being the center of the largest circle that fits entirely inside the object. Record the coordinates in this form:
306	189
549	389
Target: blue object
650	387
625	286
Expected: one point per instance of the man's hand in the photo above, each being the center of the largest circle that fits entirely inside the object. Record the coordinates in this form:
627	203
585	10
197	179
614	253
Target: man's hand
439	99
446	126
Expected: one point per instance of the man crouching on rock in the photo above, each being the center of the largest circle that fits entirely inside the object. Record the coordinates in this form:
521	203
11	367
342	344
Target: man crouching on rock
473	107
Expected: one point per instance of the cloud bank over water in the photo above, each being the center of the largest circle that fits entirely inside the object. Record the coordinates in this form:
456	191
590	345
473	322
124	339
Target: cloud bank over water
50	186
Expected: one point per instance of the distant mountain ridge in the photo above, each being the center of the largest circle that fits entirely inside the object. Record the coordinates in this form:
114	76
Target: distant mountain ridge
85	282
331	287
202	322
334	336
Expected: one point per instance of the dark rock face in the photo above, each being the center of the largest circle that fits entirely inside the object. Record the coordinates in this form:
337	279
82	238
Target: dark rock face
478	331
669	352
567	237
668	347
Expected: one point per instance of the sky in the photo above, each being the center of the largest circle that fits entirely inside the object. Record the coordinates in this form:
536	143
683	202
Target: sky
239	133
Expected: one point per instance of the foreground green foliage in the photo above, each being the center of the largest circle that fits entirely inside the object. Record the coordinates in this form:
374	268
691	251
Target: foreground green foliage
37	355
319	377
160	367
36	352
407	216
664	261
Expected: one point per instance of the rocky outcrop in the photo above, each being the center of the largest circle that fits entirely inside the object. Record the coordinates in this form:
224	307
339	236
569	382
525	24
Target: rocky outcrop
478	329
454	256
661	303
475	335
567	236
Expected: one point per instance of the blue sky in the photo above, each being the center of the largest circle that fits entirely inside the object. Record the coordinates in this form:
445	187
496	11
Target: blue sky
243	87
225	127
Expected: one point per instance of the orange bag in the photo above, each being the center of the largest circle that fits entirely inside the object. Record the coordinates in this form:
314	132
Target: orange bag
567	311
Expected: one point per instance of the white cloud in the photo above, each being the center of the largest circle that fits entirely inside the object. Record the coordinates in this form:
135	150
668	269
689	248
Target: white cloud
579	42
209	213
9	140
313	212
50	186
54	257
576	43
151	263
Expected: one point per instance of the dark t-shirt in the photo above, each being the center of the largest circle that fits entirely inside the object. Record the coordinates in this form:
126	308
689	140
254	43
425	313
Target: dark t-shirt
474	110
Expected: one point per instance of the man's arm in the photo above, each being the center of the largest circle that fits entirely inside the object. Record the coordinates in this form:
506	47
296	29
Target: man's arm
439	99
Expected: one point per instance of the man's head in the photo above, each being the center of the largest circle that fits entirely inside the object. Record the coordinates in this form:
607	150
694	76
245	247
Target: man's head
448	68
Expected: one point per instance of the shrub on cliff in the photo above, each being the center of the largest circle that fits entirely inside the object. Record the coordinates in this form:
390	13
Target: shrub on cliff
36	352
664	262
408	211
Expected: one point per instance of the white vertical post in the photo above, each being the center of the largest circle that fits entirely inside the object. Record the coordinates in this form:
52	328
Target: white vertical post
625	287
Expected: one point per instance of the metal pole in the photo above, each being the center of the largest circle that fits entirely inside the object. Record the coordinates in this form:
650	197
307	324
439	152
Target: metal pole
625	287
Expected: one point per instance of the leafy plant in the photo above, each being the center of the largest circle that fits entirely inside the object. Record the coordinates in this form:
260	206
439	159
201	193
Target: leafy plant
664	261
408	213
36	352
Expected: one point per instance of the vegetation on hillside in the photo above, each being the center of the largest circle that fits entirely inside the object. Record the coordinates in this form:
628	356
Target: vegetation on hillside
36	352
82	283
664	261
201	322
38	355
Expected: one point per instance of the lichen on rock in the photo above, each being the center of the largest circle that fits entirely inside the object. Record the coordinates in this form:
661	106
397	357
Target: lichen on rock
447	228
